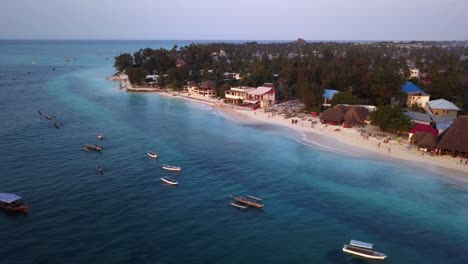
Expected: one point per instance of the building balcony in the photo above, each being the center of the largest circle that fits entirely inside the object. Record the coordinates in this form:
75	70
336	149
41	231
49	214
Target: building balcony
234	97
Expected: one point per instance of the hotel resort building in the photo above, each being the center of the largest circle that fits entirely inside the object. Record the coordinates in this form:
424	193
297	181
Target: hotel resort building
237	95
263	96
207	88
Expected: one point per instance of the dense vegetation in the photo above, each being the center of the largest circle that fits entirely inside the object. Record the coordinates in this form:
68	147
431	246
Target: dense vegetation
371	73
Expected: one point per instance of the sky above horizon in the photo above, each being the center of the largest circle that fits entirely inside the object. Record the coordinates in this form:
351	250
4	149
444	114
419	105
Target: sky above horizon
235	20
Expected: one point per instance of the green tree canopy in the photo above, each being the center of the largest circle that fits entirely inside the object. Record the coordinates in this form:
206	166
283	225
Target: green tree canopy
122	62
389	118
344	98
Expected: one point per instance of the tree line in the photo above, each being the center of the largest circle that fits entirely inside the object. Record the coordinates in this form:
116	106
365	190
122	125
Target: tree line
369	73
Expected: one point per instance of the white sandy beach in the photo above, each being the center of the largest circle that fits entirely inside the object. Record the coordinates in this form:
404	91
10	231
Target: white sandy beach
348	141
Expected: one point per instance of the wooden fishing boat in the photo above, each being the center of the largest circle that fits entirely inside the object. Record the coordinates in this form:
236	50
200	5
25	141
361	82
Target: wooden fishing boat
100	136
152	155
171	168
248	202
10	202
93	147
169	180
238	206
362	249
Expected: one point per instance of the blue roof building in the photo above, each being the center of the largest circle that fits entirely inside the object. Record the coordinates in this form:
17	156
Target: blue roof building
415	94
328	95
410	88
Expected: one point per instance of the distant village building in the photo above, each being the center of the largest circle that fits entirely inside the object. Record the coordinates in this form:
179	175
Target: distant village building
232	76
263	95
151	78
442	108
222	53
425	78
328	95
180	63
237	94
414	73
414	95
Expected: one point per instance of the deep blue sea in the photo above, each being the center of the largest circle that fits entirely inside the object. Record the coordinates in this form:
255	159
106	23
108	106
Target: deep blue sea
315	200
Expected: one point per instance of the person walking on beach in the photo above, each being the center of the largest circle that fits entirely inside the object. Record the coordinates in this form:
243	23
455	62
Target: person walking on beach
389	149
378	145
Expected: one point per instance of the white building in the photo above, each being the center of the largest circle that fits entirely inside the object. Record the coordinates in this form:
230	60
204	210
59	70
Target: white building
414	73
263	95
237	93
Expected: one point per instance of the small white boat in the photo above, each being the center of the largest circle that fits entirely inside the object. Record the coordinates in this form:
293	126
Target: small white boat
362	249
169	180
171	168
151	154
100	136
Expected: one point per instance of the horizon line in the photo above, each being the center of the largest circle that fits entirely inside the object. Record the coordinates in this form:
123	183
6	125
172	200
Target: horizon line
247	40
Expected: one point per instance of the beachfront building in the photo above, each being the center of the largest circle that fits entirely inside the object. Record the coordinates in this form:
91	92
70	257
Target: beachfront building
425	141
454	140
238	94
421	128
415	96
207	88
442	107
356	116
191	87
327	96
263	95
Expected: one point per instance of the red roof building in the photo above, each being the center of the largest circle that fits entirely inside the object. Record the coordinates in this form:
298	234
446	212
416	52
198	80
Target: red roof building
423	128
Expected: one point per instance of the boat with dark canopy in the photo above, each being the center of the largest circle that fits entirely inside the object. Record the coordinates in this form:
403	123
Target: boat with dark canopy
10	202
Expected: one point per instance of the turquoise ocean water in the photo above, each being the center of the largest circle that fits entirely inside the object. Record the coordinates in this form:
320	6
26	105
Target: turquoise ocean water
315	200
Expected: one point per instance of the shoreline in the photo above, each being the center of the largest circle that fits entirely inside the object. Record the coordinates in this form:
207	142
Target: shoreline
346	141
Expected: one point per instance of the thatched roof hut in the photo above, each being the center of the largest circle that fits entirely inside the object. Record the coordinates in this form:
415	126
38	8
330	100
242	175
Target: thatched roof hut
333	115
424	140
344	108
356	115
455	138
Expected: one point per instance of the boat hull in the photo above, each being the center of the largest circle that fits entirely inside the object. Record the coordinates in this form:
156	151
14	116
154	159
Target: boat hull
169	181
20	209
375	255
153	156
171	169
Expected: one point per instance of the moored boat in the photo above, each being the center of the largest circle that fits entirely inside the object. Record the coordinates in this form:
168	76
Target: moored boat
363	249
100	136
169	180
10	202
93	147
171	168
151	154
249	202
